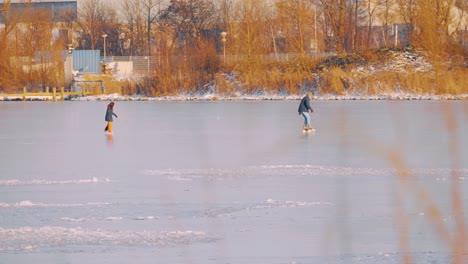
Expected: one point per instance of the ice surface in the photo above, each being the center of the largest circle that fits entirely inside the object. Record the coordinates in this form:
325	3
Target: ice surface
229	182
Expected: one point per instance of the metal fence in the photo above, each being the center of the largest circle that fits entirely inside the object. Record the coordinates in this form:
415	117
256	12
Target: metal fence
141	64
148	64
86	61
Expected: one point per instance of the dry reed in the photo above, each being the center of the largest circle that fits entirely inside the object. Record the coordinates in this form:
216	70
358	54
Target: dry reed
451	234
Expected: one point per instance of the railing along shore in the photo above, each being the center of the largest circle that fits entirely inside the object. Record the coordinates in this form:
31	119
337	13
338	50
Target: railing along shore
53	95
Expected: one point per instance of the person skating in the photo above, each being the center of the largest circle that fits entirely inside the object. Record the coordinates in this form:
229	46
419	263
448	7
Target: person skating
108	118
304	109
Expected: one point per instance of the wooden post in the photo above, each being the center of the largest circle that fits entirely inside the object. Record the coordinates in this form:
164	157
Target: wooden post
24	93
54	91
62	94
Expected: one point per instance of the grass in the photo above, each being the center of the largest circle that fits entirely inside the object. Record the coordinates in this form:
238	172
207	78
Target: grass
334	75
110	84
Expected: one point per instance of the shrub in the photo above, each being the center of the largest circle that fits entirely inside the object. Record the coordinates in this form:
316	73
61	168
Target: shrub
333	81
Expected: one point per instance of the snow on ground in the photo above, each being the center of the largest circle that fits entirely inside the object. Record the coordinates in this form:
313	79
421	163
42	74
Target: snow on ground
399	62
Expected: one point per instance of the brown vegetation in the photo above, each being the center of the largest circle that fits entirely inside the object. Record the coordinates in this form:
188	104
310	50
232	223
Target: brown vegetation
185	37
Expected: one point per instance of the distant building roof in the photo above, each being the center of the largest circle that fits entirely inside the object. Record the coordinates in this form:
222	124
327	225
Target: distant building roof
60	10
36	1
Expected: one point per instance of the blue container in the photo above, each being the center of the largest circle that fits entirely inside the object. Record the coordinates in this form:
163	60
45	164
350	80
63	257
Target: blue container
86	61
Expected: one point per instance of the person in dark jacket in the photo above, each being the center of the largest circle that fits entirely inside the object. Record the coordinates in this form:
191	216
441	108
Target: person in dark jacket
304	109
108	118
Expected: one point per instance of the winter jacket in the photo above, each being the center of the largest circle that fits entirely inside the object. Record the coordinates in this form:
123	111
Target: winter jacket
304	106
109	114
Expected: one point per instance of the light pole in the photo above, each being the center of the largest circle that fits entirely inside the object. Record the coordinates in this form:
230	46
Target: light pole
69	66
147	64
315	30
70	48
104	36
223	39
122	39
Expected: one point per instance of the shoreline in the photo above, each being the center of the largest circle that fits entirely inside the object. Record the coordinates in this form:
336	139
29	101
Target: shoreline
212	97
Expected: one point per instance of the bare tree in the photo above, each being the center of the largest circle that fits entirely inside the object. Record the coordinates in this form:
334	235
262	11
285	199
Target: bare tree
335	16
9	43
407	10
89	21
251	35
252	26
371	7
31	52
294	19
187	31
68	22
98	18
191	19
387	16
433	21
462	5
226	13
152	8
45	66
355	23
134	19
111	26
226	21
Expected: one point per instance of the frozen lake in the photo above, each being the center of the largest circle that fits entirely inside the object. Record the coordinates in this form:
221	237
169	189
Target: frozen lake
232	182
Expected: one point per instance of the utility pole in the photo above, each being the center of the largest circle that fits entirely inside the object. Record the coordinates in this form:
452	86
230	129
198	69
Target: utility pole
223	39
396	36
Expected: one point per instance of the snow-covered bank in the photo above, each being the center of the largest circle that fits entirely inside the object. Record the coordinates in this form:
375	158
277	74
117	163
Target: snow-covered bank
267	97
364	79
259	97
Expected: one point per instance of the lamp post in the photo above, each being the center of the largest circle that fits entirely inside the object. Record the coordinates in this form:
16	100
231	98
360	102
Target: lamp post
69	66
122	39
147	64
315	28
223	39
70	48
104	36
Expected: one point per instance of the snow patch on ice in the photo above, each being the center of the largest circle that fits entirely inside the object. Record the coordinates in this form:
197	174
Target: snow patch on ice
34	238
267	204
270	203
114	218
78	219
109	218
142	218
296	170
28	203
51	182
